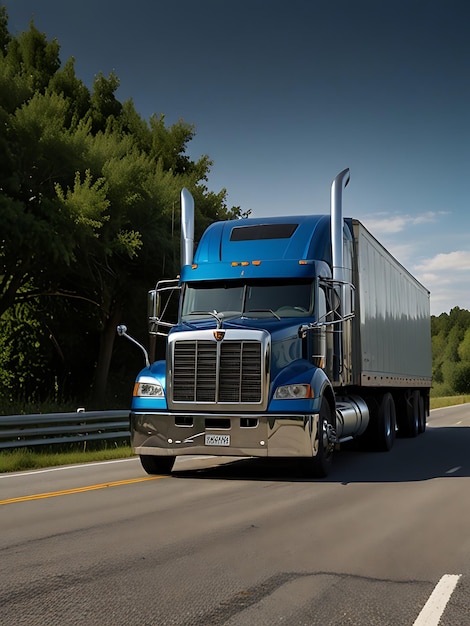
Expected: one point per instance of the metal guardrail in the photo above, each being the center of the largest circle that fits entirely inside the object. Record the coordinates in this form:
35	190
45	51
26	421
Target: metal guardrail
19	431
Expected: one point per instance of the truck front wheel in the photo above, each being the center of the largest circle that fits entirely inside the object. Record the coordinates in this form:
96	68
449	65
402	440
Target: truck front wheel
319	466
157	464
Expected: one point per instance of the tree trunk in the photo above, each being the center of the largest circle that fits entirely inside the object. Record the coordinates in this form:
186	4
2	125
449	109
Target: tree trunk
107	337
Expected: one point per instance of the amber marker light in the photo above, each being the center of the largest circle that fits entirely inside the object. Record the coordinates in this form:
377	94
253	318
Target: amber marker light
256	262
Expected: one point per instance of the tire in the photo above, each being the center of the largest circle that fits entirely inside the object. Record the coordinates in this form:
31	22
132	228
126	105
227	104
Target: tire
380	434
410	425
386	424
157	464
415	414
319	465
422	415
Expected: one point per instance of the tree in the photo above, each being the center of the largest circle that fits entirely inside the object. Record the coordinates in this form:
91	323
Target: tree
451	351
39	233
65	83
464	347
461	378
89	201
104	105
4	34
33	57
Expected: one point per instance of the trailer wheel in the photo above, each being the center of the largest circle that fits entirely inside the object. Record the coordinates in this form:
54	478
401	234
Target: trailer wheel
414	418
386	424
408	421
157	464
319	466
422	415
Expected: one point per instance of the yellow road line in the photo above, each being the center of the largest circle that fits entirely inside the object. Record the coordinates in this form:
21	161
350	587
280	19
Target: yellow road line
65	492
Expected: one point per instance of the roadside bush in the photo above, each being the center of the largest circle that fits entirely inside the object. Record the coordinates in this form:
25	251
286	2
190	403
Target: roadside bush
461	377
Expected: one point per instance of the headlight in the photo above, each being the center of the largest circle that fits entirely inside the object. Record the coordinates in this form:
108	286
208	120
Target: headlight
153	389
293	392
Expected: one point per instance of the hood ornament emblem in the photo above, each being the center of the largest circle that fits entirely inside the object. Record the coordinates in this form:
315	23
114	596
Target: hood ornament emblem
219	334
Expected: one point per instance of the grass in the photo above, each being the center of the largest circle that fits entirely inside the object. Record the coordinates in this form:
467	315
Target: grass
439	403
27	459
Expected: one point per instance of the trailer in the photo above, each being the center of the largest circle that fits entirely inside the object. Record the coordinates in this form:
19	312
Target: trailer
294	335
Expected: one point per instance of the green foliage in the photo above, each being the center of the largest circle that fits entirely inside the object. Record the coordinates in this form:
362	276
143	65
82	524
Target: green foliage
4	34
86	203
104	106
441	402
460	379
65	83
464	347
21	460
450	335
34	57
89	220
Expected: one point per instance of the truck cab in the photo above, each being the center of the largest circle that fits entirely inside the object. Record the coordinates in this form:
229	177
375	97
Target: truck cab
265	357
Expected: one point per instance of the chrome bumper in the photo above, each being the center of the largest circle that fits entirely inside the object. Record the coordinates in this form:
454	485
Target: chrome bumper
258	435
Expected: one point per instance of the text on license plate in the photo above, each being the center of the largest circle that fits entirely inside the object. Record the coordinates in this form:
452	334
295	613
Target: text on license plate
217	440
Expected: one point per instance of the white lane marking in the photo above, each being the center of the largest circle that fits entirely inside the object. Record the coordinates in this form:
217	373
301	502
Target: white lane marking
181	459
454	469
434	608
66	467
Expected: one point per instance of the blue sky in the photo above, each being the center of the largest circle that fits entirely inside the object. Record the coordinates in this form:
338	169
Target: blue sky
285	94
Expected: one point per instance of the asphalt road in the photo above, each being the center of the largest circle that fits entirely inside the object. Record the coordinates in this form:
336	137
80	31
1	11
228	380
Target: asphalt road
246	542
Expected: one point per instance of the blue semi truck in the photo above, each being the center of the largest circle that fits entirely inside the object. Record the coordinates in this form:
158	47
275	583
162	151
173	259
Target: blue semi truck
294	335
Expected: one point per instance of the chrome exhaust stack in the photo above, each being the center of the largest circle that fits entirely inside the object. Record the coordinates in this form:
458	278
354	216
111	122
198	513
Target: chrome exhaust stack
187	227
337	186
338	278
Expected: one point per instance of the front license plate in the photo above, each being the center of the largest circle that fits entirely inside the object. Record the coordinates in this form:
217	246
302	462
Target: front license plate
217	440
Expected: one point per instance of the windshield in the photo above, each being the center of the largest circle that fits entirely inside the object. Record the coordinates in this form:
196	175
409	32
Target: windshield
255	299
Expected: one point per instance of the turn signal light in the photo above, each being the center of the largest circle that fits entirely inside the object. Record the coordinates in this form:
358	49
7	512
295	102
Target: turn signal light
244	263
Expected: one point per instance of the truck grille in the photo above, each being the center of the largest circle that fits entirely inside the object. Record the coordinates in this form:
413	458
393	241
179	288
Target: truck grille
217	372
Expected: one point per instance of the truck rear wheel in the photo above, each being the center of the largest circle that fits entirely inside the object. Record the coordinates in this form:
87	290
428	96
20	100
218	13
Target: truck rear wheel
380	434
157	464
386	423
319	466
422	415
408	420
414	418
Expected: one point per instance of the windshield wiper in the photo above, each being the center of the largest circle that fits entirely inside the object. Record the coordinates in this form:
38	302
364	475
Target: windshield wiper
265	311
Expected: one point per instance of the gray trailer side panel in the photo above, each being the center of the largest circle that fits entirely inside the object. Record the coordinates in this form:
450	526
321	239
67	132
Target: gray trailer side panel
392	326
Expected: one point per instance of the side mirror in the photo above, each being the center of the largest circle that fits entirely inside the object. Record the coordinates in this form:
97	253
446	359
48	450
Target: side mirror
162	306
348	300
153	305
319	346
122	332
